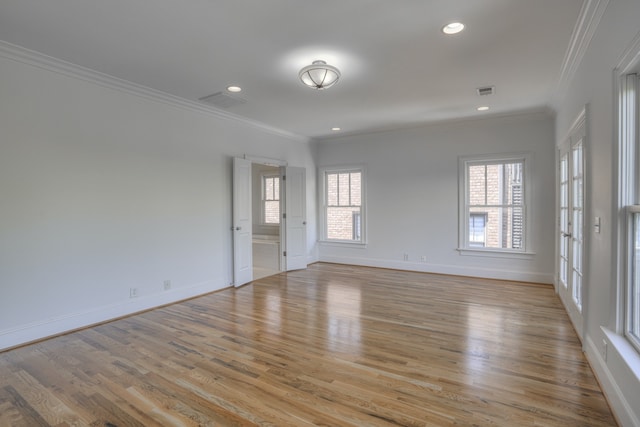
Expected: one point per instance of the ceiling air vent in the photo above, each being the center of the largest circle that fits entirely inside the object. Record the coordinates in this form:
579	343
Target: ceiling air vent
223	100
487	90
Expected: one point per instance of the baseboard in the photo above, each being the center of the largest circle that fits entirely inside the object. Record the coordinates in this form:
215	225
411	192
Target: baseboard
620	406
24	334
488	273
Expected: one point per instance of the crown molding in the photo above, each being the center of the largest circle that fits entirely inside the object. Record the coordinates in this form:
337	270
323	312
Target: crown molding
585	28
630	57
36	59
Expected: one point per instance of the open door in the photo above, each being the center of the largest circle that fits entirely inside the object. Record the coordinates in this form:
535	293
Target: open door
242	223
294	230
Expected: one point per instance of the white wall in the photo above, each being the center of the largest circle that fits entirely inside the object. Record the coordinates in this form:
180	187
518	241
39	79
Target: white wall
103	189
412	195
592	85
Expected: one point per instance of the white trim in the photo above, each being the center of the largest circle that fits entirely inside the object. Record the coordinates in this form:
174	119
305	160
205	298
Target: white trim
630	57
36	59
265	160
30	332
455	270
343	243
623	410
584	30
496	253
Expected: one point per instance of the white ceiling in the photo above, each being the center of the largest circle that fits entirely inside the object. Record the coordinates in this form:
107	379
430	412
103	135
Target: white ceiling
398	68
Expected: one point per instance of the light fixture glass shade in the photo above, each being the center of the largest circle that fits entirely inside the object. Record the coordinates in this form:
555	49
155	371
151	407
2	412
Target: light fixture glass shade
319	75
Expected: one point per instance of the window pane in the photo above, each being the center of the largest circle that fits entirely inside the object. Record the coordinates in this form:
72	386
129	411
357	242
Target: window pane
276	188
504	227
633	323
272	212
332	189
343	189
495	185
477	185
356	189
343	223
268	188
477	229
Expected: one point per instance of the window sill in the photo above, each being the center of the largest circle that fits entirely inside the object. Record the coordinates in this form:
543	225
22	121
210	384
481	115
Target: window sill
626	351
496	253
343	243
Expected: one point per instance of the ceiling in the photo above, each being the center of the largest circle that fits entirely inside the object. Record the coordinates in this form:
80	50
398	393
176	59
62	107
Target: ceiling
398	68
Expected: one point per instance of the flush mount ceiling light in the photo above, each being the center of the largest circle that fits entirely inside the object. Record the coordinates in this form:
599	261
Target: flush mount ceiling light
234	89
482	108
319	75
453	28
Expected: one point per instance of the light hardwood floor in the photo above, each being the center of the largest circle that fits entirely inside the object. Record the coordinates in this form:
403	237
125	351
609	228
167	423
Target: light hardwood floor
331	345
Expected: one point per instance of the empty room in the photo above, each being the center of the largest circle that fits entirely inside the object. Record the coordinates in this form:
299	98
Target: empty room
350	213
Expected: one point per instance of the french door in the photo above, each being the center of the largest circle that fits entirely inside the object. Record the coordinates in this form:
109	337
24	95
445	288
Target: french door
571	224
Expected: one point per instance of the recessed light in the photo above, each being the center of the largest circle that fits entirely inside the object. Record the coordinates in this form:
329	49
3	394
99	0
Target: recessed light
482	108
453	28
234	89
336	129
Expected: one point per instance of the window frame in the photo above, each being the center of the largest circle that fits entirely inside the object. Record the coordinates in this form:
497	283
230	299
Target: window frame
464	243
323	203
263	199
629	200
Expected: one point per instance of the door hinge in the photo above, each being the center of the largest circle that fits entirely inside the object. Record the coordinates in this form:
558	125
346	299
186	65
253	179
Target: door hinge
284	253
284	216
284	177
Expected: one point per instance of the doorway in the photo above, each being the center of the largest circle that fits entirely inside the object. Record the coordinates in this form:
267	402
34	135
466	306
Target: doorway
285	198
265	197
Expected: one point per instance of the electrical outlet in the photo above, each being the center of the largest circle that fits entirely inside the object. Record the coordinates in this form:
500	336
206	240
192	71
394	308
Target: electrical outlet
167	285
406	257
423	258
133	292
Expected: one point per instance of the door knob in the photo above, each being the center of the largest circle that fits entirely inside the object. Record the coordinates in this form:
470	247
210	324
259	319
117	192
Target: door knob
566	234
238	228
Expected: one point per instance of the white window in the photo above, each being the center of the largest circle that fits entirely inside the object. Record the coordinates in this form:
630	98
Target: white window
343	218
629	194
493	203
270	199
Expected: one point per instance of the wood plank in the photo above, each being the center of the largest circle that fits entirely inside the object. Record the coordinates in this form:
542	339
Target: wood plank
331	345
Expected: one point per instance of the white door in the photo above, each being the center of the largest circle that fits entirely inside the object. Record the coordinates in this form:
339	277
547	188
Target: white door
242	222
571	225
294	208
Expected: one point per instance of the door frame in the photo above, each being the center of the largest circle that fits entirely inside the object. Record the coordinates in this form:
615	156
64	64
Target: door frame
282	165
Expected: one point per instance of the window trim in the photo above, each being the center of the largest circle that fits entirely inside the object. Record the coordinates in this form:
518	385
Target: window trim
322	203
463	218
263	177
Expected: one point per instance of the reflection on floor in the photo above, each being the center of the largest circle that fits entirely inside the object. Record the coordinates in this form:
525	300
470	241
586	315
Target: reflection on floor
260	272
